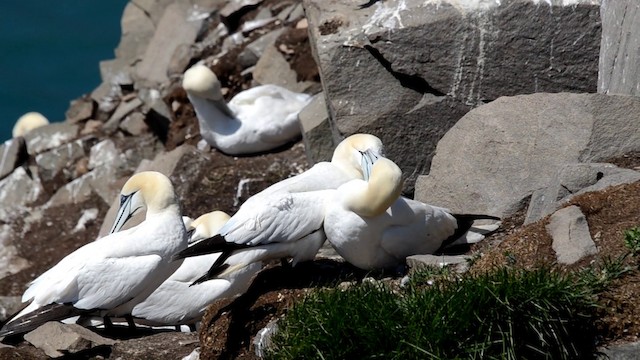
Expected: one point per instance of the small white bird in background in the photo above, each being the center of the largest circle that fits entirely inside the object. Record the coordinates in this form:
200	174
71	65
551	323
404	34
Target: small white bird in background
28	122
176	302
372	227
256	120
285	220
114	273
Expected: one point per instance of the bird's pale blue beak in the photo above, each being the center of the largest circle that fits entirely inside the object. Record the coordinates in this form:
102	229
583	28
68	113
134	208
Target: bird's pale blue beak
124	213
369	157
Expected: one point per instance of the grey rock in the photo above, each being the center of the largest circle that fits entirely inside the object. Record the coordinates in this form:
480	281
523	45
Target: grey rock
497	155
284	13
12	153
57	339
17	190
619	71
176	27
124	109
103	182
316	130
134	124
107	96
251	25
273	68
80	110
116	72
570	233
328	252
10	263
50	136
574	179
416	262
77	191
628	351
91	127
53	162
194	355
9	305
104	153
167	345
262	340
179	62
408	69
253	51
234	7
296	13
137	30
232	41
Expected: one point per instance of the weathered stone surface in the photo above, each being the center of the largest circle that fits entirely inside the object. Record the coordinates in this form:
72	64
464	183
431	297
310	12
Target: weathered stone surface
74	192
104	153
316	130
52	163
232	8
12	153
570	233
273	68
405	67
116	72
496	156
124	109
79	110
574	179
416	262
156	346
57	339
262	340
619	71
194	355
17	190
134	124
9	305
107	96
10	262
50	136
253	51
176	27
628	351
137	31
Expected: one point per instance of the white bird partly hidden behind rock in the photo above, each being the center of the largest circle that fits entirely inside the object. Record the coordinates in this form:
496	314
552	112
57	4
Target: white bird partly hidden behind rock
255	120
110	276
285	220
176	302
372	227
28	122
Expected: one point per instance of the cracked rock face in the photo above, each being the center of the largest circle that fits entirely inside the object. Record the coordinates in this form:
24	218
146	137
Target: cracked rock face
415	67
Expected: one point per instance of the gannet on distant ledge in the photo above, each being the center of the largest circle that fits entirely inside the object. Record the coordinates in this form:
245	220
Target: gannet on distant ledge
28	122
255	120
114	273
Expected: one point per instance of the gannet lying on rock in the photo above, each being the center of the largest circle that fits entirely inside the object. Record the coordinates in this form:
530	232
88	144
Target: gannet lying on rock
28	122
285	220
176	302
116	272
256	120
372	227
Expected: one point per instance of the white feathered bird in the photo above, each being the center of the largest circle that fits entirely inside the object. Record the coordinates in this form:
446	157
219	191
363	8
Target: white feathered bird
255	120
285	220
372	227
114	273
176	302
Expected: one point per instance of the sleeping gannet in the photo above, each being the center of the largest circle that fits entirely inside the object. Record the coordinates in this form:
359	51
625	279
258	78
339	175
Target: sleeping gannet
372	227
28	122
176	302
256	120
114	273
285	219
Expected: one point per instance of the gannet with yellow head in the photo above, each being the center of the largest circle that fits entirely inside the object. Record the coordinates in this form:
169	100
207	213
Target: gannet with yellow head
176	302
372	227
256	120
114	273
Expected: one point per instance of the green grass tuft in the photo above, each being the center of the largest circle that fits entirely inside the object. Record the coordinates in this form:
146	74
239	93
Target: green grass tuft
632	240
505	314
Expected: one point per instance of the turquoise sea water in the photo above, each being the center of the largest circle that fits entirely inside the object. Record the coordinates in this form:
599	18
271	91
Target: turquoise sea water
49	54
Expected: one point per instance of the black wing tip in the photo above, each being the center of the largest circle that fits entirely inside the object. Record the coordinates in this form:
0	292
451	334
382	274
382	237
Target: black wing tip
472	217
215	270
210	245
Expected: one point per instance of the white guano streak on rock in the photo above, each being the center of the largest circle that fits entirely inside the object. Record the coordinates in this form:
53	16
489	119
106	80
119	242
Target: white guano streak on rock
387	17
240	190
5	152
484	28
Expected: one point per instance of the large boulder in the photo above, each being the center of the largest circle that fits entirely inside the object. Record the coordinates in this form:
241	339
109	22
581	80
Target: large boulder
407	70
619	57
500	153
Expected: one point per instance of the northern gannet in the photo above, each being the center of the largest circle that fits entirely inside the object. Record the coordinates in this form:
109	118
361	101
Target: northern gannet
176	302
372	227
28	122
256	120
114	273
285	220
